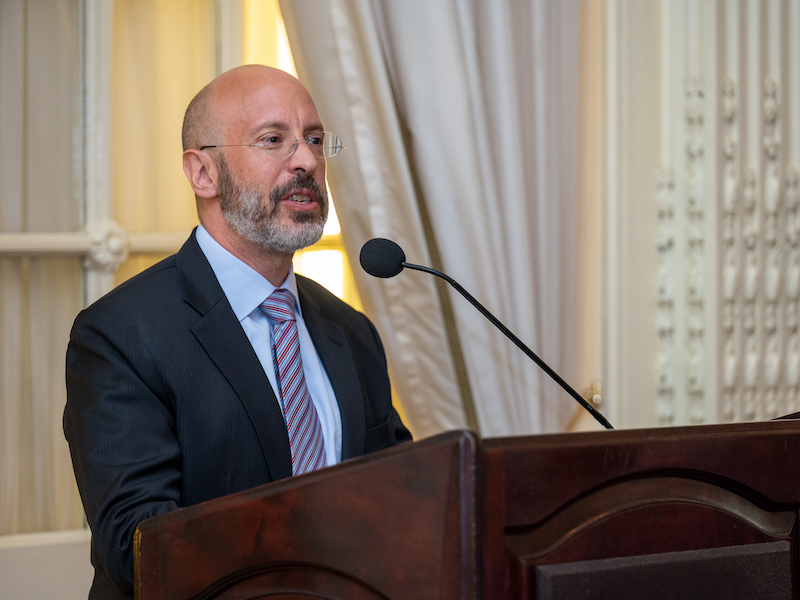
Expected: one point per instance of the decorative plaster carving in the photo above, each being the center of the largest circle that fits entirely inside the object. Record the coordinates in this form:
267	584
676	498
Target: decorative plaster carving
750	245
108	246
730	253
755	277
771	309
665	316
695	250
792	288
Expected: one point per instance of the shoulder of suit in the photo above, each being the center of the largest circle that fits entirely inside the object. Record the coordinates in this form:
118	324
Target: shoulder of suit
155	279
149	284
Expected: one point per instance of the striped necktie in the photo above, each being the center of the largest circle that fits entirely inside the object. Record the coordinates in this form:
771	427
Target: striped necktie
302	421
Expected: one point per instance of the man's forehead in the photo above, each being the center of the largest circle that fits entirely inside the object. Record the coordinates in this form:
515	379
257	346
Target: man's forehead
268	104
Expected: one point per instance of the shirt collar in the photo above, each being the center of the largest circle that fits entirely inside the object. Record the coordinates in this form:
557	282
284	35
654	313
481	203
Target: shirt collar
244	287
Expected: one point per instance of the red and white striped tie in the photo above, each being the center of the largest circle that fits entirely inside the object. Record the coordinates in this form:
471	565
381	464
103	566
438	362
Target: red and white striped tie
302	421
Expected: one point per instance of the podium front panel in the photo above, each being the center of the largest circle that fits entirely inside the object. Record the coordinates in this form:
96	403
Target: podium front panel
398	524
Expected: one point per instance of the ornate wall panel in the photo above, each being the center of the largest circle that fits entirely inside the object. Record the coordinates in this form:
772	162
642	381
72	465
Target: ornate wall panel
758	239
723	342
688	131
741	278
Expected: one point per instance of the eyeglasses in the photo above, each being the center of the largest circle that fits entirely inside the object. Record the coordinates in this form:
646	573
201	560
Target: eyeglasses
281	144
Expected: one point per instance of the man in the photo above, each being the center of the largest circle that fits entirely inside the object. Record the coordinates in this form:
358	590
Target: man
217	369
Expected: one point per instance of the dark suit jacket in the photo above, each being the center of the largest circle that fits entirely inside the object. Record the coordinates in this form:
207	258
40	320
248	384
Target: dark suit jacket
168	405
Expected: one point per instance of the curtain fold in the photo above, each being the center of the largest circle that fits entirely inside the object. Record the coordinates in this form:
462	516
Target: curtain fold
486	95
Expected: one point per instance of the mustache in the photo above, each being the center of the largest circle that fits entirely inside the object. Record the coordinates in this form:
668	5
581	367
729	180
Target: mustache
300	182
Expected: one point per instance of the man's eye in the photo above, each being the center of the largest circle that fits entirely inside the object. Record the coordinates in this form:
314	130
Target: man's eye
273	140
314	140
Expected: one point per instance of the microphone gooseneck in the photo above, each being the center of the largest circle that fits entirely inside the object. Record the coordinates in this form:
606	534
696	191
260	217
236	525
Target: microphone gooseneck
384	258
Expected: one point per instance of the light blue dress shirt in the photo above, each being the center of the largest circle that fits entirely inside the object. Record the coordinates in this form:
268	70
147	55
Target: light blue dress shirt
245	290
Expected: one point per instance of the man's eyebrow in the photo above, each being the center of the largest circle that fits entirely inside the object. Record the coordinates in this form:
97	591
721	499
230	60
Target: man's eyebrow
274	126
281	126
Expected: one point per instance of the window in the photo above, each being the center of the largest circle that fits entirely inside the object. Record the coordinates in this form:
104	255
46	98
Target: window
92	96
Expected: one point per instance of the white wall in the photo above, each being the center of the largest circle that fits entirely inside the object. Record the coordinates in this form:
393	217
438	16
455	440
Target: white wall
45	566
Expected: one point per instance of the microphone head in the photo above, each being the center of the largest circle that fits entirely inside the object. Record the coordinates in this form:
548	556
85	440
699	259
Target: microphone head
382	258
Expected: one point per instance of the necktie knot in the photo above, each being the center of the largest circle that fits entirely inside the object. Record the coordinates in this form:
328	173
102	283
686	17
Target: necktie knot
279	306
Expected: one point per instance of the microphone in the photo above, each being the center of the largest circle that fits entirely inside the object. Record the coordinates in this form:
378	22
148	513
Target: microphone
383	258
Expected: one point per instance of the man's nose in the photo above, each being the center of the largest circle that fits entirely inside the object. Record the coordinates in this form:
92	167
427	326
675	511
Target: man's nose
303	158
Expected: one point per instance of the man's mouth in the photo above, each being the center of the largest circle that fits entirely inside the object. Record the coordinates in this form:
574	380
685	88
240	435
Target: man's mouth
299	198
304	200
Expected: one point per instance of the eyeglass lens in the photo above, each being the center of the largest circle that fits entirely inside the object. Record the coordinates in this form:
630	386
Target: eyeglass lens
281	143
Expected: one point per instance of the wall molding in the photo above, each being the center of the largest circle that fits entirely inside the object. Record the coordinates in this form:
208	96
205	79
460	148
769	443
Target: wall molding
665	316
694	328
731	252
100	238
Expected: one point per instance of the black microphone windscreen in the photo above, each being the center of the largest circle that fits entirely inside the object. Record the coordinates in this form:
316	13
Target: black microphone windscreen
382	258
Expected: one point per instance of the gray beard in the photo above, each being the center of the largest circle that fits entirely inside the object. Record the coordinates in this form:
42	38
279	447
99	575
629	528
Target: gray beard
244	209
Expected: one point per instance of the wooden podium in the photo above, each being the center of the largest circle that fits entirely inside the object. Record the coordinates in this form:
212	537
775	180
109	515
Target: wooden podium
692	512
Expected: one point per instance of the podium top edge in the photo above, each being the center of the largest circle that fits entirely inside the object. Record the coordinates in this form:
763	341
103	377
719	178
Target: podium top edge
780	426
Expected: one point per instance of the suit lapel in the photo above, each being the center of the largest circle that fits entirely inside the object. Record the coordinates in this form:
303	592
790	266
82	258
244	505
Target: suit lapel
223	338
334	352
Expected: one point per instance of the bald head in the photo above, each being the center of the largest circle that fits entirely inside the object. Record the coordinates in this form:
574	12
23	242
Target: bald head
197	121
227	97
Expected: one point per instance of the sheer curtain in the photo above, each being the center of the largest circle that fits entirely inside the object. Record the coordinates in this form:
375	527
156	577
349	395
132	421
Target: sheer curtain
461	124
40	158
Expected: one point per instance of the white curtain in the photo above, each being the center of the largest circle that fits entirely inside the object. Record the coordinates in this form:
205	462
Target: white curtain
460	119
40	158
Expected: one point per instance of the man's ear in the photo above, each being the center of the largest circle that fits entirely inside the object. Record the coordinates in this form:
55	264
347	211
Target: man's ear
201	171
